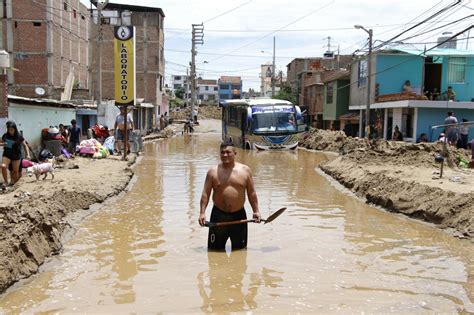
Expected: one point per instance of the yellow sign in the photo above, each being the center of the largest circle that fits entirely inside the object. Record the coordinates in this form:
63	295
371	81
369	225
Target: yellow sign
124	67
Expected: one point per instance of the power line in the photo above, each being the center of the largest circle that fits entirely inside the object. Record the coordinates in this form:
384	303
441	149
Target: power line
413	57
291	30
275	31
224	13
444	9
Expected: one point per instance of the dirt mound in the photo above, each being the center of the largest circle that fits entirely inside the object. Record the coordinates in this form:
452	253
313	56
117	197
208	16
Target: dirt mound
401	177
168	132
448	209
381	151
32	216
210	112
204	112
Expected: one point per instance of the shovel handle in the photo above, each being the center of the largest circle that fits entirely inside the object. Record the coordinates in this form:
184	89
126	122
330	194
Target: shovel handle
217	224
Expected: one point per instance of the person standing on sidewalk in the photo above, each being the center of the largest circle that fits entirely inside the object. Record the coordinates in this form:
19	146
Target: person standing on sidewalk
451	131
74	136
12	142
120	129
228	182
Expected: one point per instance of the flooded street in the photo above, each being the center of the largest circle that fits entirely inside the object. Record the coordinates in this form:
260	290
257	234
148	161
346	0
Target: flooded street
329	252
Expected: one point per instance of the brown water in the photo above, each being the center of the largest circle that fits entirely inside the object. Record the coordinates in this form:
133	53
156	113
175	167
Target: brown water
329	252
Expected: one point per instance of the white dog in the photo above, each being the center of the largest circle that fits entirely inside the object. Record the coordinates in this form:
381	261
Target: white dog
42	169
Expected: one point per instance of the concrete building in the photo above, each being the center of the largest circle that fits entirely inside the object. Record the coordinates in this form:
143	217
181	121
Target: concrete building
149	51
181	82
300	66
230	87
336	99
266	79
208	91
32	115
409	89
48	41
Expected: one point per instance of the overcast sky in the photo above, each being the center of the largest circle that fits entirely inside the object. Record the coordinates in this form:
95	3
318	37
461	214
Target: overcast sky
300	27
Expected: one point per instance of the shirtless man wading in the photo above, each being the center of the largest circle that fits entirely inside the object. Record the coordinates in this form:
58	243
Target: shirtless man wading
228	181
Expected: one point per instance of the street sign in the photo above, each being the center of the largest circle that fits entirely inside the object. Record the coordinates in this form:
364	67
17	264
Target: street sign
124	65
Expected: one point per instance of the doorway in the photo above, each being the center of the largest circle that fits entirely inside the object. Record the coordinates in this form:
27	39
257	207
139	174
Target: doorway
433	69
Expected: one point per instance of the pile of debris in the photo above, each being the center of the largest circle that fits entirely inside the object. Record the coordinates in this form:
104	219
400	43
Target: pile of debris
381	151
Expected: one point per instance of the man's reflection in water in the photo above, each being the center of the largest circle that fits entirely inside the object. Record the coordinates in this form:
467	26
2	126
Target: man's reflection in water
224	290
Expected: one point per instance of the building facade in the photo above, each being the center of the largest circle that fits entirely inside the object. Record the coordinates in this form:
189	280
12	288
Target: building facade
207	91
48	41
230	87
181	82
409	89
336	98
149	54
298	67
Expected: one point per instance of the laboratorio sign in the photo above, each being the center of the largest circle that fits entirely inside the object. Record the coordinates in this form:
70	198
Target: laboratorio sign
124	82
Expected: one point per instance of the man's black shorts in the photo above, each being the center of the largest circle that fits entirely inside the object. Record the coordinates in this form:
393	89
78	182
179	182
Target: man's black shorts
218	235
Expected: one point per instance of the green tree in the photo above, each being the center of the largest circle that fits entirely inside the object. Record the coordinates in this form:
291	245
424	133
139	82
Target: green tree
285	94
179	92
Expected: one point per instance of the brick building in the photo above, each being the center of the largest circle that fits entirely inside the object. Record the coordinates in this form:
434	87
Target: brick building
305	77
298	67
47	40
149	51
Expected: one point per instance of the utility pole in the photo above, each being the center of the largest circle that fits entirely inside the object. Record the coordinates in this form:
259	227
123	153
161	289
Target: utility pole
329	43
197	38
273	69
100	6
369	81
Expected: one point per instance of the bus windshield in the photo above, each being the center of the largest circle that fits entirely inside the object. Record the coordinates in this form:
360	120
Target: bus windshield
273	118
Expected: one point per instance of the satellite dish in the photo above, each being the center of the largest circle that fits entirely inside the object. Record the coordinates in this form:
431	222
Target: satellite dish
40	91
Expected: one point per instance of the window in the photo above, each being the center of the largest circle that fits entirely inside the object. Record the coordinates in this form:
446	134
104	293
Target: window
176	86
206	88
65	6
177	78
36	23
216	88
224	86
224	96
362	73
456	69
74	13
329	92
235	87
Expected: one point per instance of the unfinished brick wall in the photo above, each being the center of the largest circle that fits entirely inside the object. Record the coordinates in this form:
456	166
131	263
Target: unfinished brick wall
47	33
149	63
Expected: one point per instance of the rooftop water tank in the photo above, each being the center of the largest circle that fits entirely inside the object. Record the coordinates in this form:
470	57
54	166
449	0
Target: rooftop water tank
447	41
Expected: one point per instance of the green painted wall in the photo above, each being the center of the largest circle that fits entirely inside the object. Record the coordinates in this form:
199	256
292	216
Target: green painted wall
340	102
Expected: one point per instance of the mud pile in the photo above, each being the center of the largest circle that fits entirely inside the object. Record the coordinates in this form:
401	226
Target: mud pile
381	151
168	132
204	112
403	177
32	217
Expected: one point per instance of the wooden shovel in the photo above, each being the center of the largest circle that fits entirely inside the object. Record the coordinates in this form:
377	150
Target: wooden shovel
272	217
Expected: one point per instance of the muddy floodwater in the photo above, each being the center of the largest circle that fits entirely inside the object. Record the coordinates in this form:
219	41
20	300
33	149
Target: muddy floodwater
329	252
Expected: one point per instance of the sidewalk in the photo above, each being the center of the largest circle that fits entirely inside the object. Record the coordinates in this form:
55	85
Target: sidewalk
32	216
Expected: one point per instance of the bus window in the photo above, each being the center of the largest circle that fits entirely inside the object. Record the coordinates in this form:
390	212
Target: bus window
274	121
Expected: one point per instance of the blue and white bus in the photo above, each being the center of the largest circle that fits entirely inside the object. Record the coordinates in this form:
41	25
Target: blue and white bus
262	123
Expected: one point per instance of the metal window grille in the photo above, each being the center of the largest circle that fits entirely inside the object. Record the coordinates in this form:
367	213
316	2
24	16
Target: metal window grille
456	69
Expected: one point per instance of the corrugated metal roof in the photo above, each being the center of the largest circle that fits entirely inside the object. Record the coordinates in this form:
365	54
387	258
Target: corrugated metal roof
436	52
